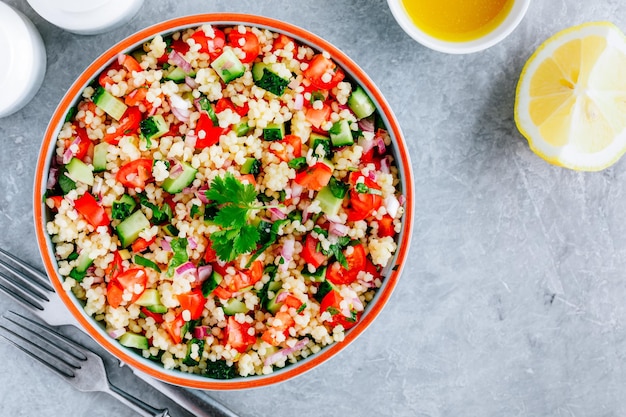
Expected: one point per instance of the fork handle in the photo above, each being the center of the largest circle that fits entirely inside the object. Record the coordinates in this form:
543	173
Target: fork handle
199	407
141	407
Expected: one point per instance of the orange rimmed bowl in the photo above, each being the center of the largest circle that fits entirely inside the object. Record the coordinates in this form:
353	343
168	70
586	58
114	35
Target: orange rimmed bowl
42	214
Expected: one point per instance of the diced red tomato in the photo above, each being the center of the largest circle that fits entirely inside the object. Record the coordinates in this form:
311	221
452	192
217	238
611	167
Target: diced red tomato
356	260
362	204
136	97
248	177
285	320
371	157
129	124
332	303
226	103
240	281
212	46
141	244
135	174
177	45
84	145
314	177
207	134
194	302
317	117
247	42
114	294
158	318
238	335
371	268
175	328
281	41
293	301
292	148
56	201
210	255
323	72
91	210
104	77
131	279
310	254
385	227
115	267
130	63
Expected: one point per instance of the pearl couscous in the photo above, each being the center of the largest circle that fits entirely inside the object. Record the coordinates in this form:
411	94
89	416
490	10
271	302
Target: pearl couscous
223	201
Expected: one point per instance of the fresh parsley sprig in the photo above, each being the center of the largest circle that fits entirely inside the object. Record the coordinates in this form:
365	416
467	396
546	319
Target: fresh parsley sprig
235	200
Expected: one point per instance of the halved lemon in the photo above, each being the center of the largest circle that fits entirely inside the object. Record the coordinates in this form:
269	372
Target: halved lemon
570	101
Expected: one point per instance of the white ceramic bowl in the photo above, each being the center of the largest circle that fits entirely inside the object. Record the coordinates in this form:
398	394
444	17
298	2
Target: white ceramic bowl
507	26
22	75
42	214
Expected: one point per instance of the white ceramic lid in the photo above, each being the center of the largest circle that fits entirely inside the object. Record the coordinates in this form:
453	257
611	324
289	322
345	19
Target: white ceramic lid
86	17
24	65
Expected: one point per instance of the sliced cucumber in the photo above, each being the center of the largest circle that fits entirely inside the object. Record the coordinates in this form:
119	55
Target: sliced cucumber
154	127
329	203
265	78
274	131
251	166
134	340
149	297
228	66
176	185
83	262
100	157
80	171
273	305
129	229
242	128
189	361
360	103
234	306
316	140
111	105
318	276
324	288
211	283
177	74
157	308
341	134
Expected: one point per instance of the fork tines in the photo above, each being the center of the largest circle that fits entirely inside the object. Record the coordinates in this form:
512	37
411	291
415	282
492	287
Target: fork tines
22	281
49	347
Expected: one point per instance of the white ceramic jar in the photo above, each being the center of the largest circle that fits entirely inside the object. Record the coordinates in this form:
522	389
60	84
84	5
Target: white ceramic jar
86	17
24	64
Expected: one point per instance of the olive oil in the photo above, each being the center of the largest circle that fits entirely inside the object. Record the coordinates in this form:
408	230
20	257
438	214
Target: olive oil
457	20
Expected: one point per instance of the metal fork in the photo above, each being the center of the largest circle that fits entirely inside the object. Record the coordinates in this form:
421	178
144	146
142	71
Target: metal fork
30	287
72	361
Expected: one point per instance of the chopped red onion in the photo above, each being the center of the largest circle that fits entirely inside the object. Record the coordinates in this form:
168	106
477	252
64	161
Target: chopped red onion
367	124
165	244
188	190
338	229
192	243
120	58
181	114
287	252
402	199
298	102
186	267
53	177
372	175
305	214
384	166
204	272
69	154
176	171
178	59
283	353
358	305
277	214
200	332
191	82
117	333
380	144
190	140
392	205
296	190
201	194
293	84
282	296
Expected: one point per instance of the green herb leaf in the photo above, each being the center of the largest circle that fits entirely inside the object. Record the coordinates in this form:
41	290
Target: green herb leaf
179	247
141	261
65	183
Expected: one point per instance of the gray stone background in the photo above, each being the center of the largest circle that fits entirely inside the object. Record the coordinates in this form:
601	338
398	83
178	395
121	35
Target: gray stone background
512	301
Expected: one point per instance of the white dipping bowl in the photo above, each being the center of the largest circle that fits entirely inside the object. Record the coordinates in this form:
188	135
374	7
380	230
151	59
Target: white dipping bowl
22	73
515	16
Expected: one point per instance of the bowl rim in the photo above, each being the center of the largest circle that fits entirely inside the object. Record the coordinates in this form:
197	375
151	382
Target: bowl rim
45	246
504	29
